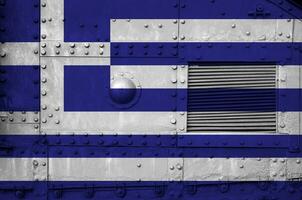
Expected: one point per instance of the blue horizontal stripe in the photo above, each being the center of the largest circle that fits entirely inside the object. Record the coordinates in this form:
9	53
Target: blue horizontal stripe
19	88
115	190
221	146
94	22
19	20
206	52
87	89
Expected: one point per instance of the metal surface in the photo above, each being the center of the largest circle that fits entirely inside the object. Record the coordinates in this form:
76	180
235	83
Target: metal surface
269	30
144	30
163	49
19	54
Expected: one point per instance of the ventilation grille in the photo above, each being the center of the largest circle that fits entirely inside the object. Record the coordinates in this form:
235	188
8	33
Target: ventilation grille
231	99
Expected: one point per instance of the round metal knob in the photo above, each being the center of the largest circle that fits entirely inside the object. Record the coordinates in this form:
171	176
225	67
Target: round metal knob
123	90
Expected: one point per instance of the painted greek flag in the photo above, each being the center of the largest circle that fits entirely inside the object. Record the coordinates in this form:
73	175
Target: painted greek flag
151	99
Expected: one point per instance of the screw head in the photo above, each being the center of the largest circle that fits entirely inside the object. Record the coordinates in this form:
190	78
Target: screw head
173	121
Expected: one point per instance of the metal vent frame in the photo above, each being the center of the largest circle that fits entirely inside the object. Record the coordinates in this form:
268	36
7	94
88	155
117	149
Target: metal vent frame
236	121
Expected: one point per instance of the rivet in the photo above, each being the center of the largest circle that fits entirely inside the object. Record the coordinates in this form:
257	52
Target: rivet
233	25
114	20
174	37
288	36
35	163
102	45
57	52
57	108
43	4
71	52
182	113
57	122
44	120
274	160
36	120
50	115
146	25
298	161
44	66
174	67
139	165
44	93
182	37
44	107
11	119
274	174
44	80
58	45
183	66
36	126
23	119
248	33
182	21
43	45
182	80
128	20
172	168
280	33
160	25
282	125
3	54
44	164
282	161
72	45
173	121
178	166
43	36
36	51
87	45
289	20
50	19
175	21
101	52
86	53
43	52
43	20
241	166
174	80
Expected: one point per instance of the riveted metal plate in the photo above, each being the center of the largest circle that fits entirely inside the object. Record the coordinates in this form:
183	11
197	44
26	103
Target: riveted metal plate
234	169
19	53
144	30
52	20
165	75
239	30
289	77
54	119
59	49
114	169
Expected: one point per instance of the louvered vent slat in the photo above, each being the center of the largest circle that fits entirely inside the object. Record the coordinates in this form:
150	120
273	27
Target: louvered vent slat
218	98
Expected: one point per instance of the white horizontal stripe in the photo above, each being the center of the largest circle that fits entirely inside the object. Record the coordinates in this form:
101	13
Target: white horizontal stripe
19	53
165	169
149	76
236	30
144	30
109	122
204	30
150	169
